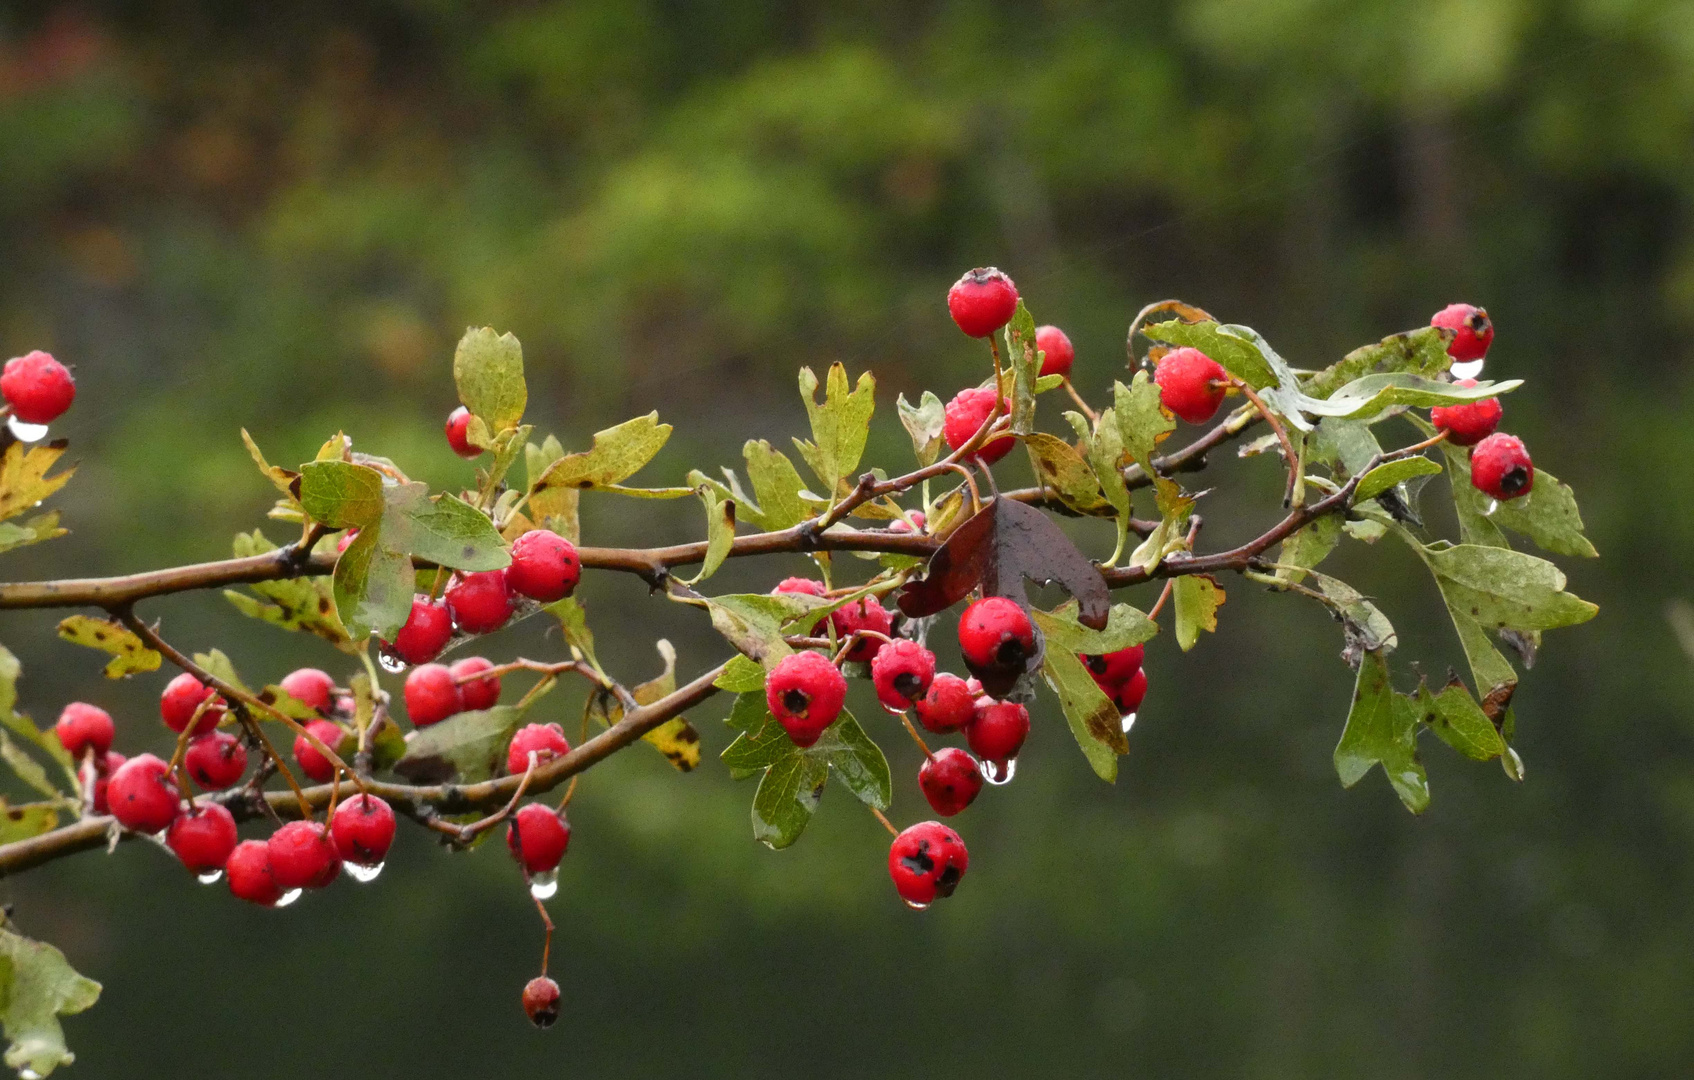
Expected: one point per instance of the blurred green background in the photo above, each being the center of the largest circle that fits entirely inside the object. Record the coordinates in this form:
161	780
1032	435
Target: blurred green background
283	216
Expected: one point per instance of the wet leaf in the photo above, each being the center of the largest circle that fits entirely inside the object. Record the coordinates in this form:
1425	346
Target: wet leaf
720	532
1093	719
1382	729
444	530
1371	395
1384	477
1126	626
341	495
857	761
741	676
1105	457
573	620
287	704
1548	515
462	749
752	622
1023	361
787	797
1308	547
21	725
792	773
281	479
33	531
617	454
1366	628
23	476
1197	599
488	370
776	485
373	587
304	604
840	425
1234	347
924	424
1504	589
22	822
1417	352
37	986
1460	722
1142	422
1060	467
129	653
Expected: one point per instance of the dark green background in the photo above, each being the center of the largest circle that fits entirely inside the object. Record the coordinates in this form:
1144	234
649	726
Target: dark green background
283	216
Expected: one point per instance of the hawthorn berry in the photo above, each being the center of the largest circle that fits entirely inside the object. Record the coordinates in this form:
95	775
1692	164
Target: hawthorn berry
1058	350
1191	384
1500	466
950	780
1113	669
311	686
203	837
483	693
141	795
215	760
541	1001
480	603
83	727
997	731
182	697
544	566
901	525
1469	423
363	829
313	763
1129	695
927	861
432	695
982	301
303	856
965	415
948	706
997	640
537	837
248	871
347	538
546	741
1472	330
459	435
37	387
865	613
803	586
425	634
902	672
104	767
805	693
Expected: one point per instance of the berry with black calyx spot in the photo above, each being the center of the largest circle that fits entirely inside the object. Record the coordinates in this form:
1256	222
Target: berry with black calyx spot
805	693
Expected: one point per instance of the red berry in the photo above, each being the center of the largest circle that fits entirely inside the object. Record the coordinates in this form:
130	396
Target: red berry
950	780
303	856
544	566
38	387
1500	466
1191	384
311	686
458	433
425	634
900	525
215	760
902	673
103	770
948	706
538	837
805	694
480	603
541	1001
1128	696
805	586
997	731
83	727
1470	423
347	539
1060	353
926	861
982	301
141	795
1472	330
432	695
997	640
546	741
203	837
182	697
312	762
481	693
965	415
248	870
362	828
865	613
1112	670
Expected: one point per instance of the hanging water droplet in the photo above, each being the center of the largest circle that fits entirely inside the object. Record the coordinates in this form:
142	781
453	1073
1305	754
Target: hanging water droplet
1128	722
1493	505
360	872
914	905
27	1073
543	886
26	432
210	877
1466	369
391	663
1000	772
287	898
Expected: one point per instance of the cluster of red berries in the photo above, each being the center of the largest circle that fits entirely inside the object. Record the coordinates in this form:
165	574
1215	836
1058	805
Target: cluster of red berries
1121	676
544	568
37	388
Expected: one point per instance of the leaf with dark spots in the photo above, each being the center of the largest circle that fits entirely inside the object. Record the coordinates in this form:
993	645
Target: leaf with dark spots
1005	543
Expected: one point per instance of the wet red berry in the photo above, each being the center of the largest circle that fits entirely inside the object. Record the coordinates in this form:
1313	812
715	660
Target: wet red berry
803	586
363	829
1058	351
546	741
965	415
1191	384
481	693
537	837
544	566
1470	423
900	525
182	697
1129	695
1500	466
480	603
312	762
1111	670
248	871
982	301
37	387
949	705
215	760
458	433
927	861
1472	330
303	856
432	695
311	686
425	634
997	640
203	837
805	694
902	673
950	780
541	1001
997	731
141	795
865	613
103	769
83	727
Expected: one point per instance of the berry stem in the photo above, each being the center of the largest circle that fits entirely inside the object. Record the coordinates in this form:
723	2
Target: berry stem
1288	454
880	816
906	718
547	941
853	639
570	790
1093	417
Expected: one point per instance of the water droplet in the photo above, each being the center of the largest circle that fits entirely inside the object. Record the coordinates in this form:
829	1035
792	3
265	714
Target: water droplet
391	663
26	432
1000	772
27	1073
543	886
914	905
1493	505
287	898
210	877
1467	369
1128	722
360	872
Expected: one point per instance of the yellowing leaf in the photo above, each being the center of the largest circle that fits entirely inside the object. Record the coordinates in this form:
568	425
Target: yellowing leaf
129	653
488	369
37	986
1197	599
676	737
280	478
840	425
617	454
33	531
23	476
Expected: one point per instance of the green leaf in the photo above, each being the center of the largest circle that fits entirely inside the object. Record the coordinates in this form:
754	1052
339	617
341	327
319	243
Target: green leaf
23	476
304	604
444	530
1370	395
1308	547
1024	361
341	495
37	986
1460	722
1105	457
741	676
1125	626
761	747
856	760
287	704
1547	515
1384	477
129	653
1058	466
1142	422
22	822
553	508
1417	352
924	423
34	531
840	425
720	532
1197	599
787	796
776	485
28	769
1366	627
749	713
617	454
219	666
573	620
461	749
1382	729
488	369
22	726
1093	719
1505	589
752	622
373	587
1234	347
